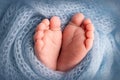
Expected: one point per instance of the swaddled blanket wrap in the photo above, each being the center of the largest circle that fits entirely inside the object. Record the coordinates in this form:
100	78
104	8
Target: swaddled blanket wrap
18	20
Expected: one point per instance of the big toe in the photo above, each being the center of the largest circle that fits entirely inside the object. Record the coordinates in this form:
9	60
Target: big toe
55	23
77	19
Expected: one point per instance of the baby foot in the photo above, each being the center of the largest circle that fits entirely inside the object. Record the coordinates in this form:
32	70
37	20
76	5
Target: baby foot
47	38
78	38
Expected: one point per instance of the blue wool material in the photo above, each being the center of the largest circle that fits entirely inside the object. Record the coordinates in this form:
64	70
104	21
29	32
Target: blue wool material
18	20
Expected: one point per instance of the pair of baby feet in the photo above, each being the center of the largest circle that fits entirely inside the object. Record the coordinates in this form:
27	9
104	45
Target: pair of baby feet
62	51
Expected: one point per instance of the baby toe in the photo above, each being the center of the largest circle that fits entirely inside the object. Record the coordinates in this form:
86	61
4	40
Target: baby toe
44	25
38	35
41	27
88	43
77	19
86	22
90	34
38	46
88	25
55	23
46	22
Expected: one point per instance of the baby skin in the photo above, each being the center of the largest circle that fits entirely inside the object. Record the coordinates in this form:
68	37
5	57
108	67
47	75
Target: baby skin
62	51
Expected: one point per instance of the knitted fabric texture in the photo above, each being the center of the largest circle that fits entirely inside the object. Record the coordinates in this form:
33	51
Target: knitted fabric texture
18	20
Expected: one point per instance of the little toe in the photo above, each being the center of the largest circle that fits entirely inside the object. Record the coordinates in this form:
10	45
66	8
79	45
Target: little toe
55	23
89	43
77	19
38	35
90	34
38	46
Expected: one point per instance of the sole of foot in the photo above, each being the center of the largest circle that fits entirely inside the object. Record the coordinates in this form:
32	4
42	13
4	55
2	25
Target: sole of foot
78	38
47	39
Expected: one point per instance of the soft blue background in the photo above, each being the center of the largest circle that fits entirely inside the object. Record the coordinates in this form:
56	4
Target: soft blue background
18	20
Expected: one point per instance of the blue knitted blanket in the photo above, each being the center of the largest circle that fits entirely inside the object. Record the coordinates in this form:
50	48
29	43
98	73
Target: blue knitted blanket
18	20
